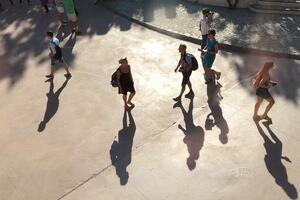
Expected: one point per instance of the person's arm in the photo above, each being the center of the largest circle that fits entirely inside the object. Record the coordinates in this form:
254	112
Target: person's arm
51	52
200	25
130	74
118	80
178	65
189	63
264	83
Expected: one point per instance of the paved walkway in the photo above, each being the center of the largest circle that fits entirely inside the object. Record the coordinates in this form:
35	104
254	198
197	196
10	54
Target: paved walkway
241	27
87	152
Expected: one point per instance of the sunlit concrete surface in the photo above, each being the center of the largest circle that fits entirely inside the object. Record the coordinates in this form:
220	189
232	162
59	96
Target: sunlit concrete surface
85	151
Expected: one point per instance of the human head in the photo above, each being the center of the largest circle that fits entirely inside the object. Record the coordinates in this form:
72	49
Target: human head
49	34
268	65
182	48
123	61
211	33
205	11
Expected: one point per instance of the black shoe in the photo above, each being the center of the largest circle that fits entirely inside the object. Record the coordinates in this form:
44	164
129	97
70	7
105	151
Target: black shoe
189	95
177	104
177	98
68	75
49	76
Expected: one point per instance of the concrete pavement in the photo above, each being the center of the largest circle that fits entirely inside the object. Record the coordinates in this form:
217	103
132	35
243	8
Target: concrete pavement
74	156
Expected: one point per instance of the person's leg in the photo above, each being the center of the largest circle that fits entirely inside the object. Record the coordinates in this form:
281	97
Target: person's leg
268	108
256	107
130	98
215	73
46	8
66	67
125	101
204	41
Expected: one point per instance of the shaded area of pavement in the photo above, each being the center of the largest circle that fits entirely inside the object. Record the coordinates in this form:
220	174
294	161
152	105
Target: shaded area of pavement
87	152
240	28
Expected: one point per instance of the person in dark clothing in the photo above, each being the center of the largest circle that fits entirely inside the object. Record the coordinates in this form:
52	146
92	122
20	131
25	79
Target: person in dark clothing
125	82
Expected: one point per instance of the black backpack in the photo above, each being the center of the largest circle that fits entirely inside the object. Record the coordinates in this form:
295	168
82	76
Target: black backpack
114	79
194	62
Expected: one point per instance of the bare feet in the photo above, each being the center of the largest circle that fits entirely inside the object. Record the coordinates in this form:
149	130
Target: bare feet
256	118
131	104
218	75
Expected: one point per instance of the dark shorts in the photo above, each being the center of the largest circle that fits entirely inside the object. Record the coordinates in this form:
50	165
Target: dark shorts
208	60
263	92
126	89
55	60
186	77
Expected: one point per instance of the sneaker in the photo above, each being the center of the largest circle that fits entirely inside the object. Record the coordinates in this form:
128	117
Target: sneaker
177	98
68	75
189	95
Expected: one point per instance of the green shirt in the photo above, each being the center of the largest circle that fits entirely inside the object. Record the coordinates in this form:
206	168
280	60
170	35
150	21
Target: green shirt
69	6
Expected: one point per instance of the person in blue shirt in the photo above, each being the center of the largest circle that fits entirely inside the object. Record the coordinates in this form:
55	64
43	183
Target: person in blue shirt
209	57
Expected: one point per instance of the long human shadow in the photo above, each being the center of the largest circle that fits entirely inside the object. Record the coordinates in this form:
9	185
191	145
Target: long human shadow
273	161
52	104
214	98
121	148
194	135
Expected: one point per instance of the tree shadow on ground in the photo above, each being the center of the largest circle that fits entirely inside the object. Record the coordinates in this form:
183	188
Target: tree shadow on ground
265	31
52	104
214	98
193	134
121	148
273	161
23	34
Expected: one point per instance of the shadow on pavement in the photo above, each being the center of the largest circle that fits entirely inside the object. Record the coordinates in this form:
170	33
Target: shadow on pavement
52	104
194	135
214	98
121	149
273	161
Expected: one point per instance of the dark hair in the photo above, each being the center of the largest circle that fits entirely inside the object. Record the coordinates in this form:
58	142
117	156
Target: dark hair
212	31
205	11
183	45
49	33
122	60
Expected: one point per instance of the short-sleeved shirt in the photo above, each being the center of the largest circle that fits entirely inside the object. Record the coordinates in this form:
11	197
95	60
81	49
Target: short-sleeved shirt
52	44
211	43
186	59
204	25
69	6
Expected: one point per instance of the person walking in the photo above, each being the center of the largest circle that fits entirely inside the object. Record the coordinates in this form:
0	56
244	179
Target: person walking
56	56
205	25
210	52
262	82
186	68
72	17
125	83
